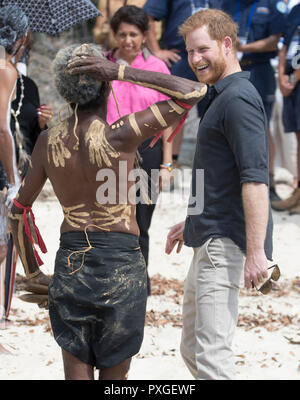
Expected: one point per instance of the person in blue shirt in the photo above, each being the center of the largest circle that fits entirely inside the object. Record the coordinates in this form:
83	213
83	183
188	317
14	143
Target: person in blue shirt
288	79
173	51
261	24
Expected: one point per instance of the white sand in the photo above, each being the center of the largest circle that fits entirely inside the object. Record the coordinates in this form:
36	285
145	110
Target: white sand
261	347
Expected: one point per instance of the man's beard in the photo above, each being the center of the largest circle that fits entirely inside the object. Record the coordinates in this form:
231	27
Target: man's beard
217	70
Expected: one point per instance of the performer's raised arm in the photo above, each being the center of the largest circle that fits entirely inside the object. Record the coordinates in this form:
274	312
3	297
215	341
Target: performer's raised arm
155	119
185	90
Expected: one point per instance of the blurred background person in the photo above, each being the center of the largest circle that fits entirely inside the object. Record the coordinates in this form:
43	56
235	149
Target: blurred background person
28	119
102	33
130	25
171	48
29	116
285	146
288	78
13	29
261	24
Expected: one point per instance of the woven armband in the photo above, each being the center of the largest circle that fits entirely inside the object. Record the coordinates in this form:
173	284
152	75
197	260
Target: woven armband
121	72
39	239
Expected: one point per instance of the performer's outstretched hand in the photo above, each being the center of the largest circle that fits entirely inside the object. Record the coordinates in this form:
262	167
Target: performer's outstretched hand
96	67
41	300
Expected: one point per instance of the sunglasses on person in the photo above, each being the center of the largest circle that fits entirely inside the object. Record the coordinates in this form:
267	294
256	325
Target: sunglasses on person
267	286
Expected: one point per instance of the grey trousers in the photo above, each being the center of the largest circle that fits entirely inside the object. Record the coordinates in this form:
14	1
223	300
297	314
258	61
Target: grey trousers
210	309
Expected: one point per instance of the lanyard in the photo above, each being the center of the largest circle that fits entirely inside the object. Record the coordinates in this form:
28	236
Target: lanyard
194	8
237	12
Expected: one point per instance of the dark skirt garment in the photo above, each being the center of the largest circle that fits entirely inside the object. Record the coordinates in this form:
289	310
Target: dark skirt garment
98	313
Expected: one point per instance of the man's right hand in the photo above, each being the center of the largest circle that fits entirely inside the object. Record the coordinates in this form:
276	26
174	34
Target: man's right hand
175	236
168	56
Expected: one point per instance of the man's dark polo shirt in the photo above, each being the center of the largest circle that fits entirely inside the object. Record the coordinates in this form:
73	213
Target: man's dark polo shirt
232	148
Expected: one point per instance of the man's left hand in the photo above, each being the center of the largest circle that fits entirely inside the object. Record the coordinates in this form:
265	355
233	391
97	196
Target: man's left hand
256	266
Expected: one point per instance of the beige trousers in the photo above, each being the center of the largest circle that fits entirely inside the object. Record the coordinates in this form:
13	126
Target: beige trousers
210	309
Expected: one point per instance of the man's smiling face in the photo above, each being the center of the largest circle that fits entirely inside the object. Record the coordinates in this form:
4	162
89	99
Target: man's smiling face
205	56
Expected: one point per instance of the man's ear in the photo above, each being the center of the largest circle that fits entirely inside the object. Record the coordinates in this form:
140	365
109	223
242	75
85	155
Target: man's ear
227	45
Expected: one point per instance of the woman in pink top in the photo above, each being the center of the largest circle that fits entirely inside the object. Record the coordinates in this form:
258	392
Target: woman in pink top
129	25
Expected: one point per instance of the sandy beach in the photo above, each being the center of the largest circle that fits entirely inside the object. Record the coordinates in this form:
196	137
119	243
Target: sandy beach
267	340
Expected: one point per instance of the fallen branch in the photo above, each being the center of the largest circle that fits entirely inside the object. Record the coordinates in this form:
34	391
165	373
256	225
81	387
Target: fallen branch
291	340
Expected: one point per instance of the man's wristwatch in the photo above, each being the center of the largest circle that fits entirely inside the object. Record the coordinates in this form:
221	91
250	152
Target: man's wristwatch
168	166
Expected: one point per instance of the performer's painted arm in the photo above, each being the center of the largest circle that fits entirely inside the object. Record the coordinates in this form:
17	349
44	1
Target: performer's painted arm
137	127
184	90
20	217
131	130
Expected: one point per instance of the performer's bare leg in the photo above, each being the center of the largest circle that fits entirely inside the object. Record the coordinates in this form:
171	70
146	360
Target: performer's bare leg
76	369
118	372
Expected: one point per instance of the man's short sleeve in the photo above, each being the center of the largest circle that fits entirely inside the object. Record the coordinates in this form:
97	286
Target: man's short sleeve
278	16
246	132
157	8
291	25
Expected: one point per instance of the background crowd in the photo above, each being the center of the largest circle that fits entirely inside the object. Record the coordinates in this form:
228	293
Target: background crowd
268	34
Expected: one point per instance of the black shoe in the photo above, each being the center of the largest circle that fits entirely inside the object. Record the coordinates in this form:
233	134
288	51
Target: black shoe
273	195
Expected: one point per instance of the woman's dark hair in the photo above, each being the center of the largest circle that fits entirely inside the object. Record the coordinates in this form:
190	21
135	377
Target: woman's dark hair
131	15
13	26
